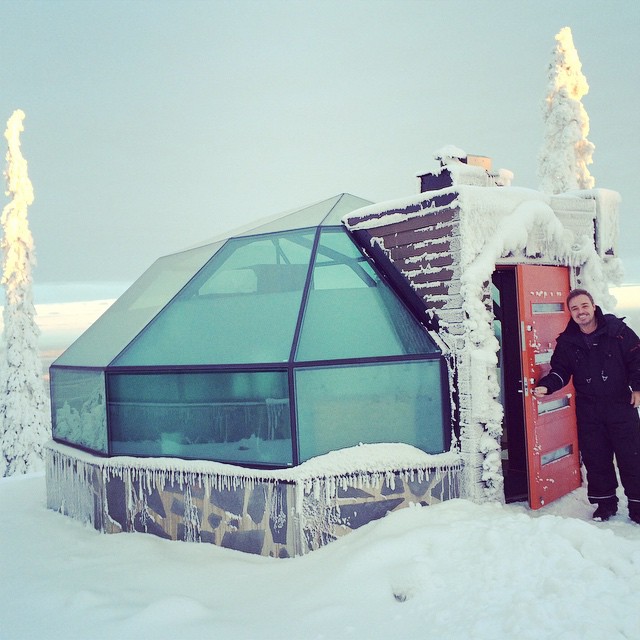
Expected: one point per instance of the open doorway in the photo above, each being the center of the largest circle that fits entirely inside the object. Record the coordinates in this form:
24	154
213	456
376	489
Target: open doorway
540	454
507	330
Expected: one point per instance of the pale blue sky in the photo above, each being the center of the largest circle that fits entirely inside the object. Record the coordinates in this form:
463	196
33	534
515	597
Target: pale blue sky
154	125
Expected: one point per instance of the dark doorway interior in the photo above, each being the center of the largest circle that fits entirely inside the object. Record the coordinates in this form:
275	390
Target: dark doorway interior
507	330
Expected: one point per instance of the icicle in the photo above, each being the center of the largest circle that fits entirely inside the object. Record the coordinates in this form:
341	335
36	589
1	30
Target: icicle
191	520
276	510
69	489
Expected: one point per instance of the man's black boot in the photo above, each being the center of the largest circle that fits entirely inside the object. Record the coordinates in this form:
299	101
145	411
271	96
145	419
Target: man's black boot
634	510
605	510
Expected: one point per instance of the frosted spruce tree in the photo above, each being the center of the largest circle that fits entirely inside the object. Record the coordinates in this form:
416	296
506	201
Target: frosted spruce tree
24	412
566	152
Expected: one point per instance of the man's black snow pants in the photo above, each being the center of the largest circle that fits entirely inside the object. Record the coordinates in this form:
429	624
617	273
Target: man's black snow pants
608	428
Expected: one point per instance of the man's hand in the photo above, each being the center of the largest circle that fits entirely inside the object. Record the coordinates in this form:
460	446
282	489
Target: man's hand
635	399
538	392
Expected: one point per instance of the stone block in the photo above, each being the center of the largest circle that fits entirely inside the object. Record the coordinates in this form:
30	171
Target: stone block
230	500
392	488
257	503
117	501
247	541
357	515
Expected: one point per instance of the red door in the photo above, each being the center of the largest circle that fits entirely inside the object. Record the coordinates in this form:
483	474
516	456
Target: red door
553	460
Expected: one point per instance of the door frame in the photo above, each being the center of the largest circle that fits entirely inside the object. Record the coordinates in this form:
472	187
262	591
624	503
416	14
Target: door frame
539	445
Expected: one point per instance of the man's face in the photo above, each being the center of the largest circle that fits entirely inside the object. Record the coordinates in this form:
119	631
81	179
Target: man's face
583	312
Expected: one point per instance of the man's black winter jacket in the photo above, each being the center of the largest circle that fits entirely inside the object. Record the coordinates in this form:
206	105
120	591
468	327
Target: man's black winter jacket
604	364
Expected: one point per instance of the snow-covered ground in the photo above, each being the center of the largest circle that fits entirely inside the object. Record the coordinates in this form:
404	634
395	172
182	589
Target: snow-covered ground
455	570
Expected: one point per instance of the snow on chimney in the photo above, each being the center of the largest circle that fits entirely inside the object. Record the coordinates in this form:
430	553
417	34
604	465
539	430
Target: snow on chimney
460	168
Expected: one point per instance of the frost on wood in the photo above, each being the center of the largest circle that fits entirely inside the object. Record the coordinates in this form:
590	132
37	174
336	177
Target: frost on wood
24	407
566	152
486	226
527	227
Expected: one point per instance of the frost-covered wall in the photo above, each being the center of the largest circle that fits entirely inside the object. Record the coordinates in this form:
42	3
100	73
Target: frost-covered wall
280	513
446	244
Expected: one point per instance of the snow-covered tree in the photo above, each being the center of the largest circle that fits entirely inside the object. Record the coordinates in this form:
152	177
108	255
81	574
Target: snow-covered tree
24	406
566	152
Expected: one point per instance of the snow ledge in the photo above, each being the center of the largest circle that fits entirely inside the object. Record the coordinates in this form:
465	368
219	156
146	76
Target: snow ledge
362	459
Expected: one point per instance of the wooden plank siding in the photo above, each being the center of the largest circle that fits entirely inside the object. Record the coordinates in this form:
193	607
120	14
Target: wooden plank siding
419	249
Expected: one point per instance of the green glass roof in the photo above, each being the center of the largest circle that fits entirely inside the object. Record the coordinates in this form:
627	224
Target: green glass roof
241	308
137	306
294	288
351	312
325	212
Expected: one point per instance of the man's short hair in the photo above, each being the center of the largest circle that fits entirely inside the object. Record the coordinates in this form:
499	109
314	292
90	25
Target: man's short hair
579	292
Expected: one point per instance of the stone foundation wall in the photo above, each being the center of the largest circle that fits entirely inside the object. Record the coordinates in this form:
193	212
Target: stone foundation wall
268	516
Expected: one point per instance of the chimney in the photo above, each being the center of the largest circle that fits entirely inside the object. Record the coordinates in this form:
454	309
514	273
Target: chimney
480	161
460	168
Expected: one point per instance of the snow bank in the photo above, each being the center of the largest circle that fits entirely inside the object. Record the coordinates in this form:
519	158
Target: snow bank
456	570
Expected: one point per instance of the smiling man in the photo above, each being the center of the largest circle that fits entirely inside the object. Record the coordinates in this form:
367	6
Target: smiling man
602	354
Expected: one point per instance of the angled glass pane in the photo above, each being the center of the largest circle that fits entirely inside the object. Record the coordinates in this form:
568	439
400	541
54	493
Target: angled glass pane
326	212
310	216
241	308
341	406
228	417
351	312
78	408
346	204
137	306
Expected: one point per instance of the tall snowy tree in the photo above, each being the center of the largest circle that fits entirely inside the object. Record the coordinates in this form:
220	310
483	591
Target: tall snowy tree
566	152
24	413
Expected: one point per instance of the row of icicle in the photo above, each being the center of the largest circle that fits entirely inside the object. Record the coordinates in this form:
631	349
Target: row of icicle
71	490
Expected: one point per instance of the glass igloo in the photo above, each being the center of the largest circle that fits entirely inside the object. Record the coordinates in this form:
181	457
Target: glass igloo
265	349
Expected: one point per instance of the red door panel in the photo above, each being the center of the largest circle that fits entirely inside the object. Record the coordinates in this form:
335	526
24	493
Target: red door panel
553	459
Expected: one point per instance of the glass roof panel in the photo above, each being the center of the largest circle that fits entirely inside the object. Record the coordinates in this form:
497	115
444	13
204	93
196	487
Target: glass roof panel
345	205
310	216
241	308
137	306
326	212
351	312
